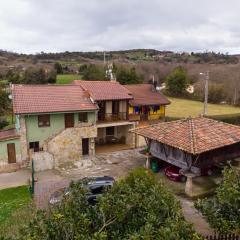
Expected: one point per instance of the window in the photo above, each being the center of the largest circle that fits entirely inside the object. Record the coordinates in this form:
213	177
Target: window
44	121
83	117
115	107
110	131
34	146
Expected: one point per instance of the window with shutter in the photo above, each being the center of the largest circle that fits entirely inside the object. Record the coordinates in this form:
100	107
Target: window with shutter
44	121
83	117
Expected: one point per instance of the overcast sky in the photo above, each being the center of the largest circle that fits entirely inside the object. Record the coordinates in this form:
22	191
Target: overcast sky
31	26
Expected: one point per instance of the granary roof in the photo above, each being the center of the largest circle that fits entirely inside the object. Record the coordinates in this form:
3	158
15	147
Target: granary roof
104	90
29	99
143	94
192	135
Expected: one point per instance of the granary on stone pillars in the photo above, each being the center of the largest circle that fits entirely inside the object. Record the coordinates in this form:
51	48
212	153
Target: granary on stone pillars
192	144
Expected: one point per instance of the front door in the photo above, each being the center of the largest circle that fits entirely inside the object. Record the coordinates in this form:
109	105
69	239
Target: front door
11	153
85	146
69	120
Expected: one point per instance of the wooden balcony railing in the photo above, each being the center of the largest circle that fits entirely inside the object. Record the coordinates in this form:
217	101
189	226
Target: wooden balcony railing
111	117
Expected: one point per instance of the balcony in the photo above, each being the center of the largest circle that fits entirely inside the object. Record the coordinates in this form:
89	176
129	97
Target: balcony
112	117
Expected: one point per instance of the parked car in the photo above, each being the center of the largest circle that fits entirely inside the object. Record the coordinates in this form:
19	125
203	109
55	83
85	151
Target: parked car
94	185
174	173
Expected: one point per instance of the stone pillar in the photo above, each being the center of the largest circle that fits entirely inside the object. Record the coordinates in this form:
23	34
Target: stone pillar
91	147
23	139
189	184
147	164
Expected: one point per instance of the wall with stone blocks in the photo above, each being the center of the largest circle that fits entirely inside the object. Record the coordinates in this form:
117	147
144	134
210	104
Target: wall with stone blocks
67	146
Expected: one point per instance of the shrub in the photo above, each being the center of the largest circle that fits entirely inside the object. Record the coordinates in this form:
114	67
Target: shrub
137	207
223	210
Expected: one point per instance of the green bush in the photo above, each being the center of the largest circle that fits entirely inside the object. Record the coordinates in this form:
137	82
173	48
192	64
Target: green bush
136	208
227	118
223	210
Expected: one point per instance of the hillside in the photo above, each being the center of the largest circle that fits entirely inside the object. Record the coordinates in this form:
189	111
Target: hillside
224	69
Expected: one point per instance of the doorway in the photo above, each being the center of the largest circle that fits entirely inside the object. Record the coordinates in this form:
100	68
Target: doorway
69	120
11	153
85	146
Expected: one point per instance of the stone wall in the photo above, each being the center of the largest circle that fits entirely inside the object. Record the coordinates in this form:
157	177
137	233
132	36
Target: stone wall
67	146
42	161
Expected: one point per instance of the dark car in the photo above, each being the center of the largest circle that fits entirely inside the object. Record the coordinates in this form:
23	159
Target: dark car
94	185
174	173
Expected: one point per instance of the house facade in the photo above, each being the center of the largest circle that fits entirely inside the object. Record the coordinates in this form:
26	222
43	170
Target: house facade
113	122
60	124
147	103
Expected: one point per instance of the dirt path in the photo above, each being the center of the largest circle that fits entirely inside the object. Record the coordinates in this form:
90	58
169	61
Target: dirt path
193	216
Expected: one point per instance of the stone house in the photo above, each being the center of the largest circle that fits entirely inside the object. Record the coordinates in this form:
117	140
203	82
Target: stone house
58	124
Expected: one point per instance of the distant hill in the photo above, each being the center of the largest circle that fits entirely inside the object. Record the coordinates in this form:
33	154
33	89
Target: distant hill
224	68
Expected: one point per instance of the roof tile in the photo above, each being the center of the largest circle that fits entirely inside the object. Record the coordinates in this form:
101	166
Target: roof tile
192	135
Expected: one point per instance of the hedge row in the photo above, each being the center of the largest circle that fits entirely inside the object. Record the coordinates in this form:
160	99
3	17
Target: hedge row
227	118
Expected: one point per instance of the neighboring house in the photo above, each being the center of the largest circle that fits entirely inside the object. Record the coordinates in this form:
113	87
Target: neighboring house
147	103
112	121
10	150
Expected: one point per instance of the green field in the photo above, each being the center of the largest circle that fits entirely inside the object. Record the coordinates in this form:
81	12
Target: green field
12	199
67	78
15	210
185	108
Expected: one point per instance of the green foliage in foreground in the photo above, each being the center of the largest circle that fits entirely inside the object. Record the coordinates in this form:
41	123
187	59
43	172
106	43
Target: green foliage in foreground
137	207
223	211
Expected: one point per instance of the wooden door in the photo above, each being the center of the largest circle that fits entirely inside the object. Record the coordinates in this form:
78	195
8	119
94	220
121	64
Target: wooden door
85	146
11	153
69	120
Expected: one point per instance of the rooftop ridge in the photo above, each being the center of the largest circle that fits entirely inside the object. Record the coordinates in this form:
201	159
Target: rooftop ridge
192	135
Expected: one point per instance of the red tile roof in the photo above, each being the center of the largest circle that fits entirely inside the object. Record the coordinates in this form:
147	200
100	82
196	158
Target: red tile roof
104	90
8	134
50	98
192	135
143	95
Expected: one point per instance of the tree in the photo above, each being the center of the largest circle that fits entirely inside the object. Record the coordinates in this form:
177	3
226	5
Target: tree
128	76
216	93
58	67
177	82
222	211
5	102
136	208
93	72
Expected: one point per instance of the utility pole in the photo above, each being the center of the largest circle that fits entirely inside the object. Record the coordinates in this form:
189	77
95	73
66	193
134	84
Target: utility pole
104	58
205	106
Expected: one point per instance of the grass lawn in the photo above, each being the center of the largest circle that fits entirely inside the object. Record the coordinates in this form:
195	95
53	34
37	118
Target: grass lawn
67	78
15	210
12	199
185	108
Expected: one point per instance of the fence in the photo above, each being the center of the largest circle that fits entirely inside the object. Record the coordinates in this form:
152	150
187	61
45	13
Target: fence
223	237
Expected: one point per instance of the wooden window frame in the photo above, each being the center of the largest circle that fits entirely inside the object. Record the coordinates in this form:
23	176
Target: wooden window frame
45	120
35	146
85	114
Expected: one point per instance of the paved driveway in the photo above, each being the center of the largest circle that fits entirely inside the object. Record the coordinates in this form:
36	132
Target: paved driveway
115	164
